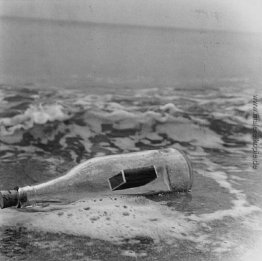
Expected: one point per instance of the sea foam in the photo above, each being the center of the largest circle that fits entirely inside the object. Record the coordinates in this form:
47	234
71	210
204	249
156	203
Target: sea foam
35	114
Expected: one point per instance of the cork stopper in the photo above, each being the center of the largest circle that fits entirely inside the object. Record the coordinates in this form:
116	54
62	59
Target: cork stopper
9	198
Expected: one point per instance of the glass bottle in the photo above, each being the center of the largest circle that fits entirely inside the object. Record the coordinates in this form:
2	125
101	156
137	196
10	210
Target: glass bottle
144	172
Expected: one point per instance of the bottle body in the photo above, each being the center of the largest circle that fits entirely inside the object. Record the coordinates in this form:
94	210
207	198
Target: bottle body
171	168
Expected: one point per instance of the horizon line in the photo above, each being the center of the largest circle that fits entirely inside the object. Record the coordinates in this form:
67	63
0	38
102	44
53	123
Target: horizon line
145	26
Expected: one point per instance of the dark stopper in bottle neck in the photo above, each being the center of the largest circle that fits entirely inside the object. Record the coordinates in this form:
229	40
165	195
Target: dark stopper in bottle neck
9	198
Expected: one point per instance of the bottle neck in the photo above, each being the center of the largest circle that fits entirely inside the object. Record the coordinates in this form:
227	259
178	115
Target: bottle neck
27	196
56	190
49	192
33	195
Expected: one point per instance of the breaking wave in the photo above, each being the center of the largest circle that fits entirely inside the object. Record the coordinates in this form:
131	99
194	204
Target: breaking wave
87	125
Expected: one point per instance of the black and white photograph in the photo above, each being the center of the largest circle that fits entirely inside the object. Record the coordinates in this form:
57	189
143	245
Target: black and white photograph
130	130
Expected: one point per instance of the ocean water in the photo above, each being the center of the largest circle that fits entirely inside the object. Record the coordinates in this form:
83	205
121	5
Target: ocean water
72	91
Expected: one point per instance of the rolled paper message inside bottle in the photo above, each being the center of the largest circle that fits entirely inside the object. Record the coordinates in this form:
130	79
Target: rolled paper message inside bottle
144	172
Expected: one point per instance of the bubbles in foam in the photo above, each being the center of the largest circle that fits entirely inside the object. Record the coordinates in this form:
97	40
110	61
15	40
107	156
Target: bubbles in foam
112	221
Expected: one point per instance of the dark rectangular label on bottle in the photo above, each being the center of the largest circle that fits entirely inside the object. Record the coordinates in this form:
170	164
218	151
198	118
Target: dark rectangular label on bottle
131	178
